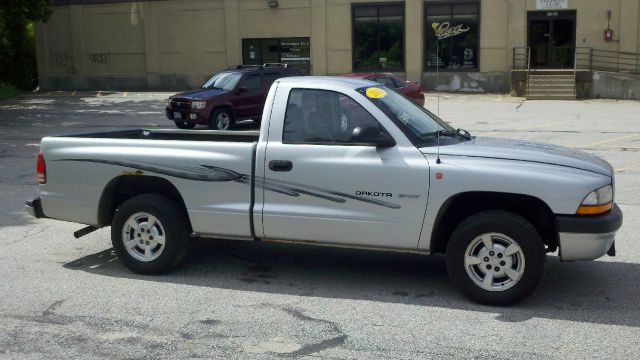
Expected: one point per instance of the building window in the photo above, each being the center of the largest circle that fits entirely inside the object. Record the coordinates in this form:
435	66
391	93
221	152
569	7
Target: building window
451	36
378	37
294	51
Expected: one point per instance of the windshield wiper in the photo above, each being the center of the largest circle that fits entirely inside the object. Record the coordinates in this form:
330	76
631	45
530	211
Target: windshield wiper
450	133
464	133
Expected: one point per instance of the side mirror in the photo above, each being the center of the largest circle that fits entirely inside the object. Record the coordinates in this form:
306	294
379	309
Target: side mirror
241	89
372	136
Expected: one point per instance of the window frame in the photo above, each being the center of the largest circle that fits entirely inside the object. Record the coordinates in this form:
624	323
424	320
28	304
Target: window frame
377	5
451	3
284	122
249	74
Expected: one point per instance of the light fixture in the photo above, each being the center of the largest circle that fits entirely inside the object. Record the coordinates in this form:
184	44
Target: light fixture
273	4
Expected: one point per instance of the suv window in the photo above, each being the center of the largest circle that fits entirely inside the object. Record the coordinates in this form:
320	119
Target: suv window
223	80
323	117
270	77
251	82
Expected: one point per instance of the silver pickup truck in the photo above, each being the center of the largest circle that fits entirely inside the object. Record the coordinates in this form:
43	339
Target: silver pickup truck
338	162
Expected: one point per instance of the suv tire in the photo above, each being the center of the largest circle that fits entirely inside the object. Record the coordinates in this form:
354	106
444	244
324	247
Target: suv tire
496	257
221	119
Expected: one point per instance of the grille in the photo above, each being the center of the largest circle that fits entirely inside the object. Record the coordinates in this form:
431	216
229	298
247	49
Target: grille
180	104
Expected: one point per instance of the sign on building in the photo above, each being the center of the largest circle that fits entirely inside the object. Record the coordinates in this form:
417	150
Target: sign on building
551	4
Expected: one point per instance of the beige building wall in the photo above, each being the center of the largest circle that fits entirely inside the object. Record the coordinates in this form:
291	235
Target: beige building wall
179	43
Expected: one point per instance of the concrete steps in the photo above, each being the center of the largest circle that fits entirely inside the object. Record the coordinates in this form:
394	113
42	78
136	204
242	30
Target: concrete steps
551	87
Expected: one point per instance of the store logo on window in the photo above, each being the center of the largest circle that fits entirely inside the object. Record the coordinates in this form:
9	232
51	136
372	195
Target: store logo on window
445	30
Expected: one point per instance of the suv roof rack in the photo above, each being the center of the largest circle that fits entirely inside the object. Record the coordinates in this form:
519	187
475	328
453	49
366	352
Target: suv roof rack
243	67
274	64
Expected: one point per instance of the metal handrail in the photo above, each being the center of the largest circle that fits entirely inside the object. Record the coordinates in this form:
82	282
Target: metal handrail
528	51
586	58
575	70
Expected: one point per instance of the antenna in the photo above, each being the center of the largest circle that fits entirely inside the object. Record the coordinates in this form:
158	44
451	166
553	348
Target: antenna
438	161
438	76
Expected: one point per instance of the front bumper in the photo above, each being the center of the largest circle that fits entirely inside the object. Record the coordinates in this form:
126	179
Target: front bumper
188	115
588	237
34	208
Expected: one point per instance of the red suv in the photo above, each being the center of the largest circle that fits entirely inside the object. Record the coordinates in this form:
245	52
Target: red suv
234	94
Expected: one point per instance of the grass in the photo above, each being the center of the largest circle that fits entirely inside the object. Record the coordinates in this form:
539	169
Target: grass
8	91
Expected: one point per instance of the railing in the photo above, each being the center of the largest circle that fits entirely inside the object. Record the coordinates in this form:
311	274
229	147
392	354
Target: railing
575	72
528	51
582	59
616	61
521	57
586	58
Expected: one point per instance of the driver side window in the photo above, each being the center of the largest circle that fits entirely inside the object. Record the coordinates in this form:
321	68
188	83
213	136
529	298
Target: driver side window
323	117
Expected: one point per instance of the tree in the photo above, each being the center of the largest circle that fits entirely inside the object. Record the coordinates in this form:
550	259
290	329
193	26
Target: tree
17	40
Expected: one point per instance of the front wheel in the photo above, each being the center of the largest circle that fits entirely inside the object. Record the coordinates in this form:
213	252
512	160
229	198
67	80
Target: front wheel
221	119
150	233
496	258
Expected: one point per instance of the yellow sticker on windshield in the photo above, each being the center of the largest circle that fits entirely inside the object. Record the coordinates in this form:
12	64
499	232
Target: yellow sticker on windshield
376	93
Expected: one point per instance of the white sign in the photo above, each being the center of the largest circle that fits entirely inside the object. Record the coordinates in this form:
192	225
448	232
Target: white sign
551	4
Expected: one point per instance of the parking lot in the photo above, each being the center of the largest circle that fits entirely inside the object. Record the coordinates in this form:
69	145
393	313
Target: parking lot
67	297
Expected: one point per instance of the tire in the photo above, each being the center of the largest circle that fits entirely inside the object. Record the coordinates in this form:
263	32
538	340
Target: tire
185	125
515	270
172	225
221	119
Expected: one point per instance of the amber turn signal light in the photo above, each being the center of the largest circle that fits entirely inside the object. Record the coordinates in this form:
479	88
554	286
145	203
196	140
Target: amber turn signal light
594	209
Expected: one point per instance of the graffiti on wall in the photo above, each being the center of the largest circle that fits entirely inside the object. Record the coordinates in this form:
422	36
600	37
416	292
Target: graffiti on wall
100	58
63	60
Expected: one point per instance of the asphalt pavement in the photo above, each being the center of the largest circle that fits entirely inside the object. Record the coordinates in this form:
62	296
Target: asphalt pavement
62	297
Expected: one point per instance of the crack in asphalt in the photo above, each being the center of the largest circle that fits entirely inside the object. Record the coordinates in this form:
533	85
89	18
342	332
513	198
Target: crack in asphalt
49	310
309	349
519	105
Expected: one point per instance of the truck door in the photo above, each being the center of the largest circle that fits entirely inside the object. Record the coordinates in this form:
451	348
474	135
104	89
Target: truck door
321	185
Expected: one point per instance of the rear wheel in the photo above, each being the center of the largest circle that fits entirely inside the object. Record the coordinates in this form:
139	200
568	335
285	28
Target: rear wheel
496	257
150	233
221	119
185	125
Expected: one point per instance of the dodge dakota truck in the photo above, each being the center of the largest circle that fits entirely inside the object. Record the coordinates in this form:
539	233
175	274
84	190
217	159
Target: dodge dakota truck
338	162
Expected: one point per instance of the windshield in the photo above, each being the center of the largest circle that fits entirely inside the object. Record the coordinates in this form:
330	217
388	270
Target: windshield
418	123
223	81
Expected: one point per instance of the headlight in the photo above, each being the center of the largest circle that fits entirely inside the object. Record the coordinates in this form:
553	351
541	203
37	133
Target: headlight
169	102
597	202
198	105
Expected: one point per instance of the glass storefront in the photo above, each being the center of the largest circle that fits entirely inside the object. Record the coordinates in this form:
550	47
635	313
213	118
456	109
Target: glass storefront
295	51
378	37
451	36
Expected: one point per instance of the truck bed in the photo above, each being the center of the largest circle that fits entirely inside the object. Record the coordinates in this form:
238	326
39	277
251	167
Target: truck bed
171	134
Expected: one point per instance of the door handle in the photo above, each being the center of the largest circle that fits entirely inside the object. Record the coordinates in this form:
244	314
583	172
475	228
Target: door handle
280	165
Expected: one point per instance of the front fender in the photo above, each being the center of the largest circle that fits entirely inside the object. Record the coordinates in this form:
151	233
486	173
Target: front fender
561	188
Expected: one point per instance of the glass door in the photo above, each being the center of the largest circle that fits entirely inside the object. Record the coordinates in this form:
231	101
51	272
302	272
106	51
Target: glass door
539	34
562	42
552	39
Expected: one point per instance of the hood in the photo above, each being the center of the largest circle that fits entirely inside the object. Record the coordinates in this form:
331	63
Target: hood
509	149
201	94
